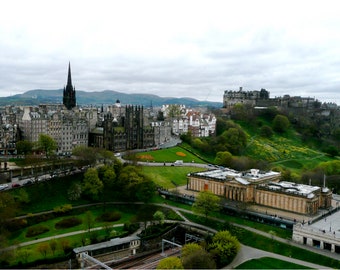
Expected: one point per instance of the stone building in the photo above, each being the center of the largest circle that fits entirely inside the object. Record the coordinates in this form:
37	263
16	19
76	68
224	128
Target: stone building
261	188
323	234
128	131
68	128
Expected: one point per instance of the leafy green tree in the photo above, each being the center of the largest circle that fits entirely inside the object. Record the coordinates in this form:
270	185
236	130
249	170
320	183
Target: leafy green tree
65	245
266	131
224	248
92	185
280	123
187	137
330	167
205	203
145	190
106	155
109	178
159	216
85	155
189	248
47	144
74	192
43	249
53	245
223	158
221	126
89	221
199	259
23	197
24	147
23	254
170	263
235	140
134	184
8	209
336	134
174	110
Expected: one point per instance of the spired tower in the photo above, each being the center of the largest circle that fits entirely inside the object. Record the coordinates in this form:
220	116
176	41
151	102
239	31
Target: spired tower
69	96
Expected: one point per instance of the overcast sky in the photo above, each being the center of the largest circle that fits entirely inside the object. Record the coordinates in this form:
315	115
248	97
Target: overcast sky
173	48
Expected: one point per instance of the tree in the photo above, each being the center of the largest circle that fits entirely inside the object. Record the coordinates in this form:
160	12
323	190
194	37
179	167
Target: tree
43	249
22	197
23	254
160	116
53	245
74	192
189	248
205	203
223	158
174	110
159	216
85	155
145	190
8	209
224	248
92	185
65	245
266	131
109	177
199	259
47	144
170	263
89	220
134	184
280	123
235	139
24	147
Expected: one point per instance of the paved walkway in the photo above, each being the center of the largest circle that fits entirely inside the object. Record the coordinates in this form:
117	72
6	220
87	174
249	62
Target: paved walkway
247	253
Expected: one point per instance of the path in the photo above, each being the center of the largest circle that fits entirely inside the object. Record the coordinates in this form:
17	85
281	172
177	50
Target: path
247	253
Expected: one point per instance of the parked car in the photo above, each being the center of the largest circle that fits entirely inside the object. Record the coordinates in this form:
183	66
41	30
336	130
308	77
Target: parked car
14	185
28	182
3	186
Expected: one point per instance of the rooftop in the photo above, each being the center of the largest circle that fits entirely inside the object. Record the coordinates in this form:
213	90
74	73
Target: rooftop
290	187
245	178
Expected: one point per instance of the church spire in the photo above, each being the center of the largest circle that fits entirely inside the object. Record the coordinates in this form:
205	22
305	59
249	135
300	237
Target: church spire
69	80
69	94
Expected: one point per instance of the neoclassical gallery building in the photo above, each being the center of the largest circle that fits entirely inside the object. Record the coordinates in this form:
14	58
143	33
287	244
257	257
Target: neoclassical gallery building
262	188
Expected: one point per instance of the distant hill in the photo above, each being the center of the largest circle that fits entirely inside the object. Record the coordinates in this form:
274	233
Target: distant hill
39	96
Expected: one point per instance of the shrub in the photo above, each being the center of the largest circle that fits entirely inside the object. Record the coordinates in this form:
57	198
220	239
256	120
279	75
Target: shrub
63	209
36	230
131	227
15	224
109	216
68	223
266	131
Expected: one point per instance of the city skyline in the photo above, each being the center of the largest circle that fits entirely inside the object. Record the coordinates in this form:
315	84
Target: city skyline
194	49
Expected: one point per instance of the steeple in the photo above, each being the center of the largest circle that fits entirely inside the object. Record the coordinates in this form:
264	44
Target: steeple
69	80
69	95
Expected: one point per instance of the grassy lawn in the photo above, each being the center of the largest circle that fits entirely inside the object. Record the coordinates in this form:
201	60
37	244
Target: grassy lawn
167	177
47	195
168	155
269	263
126	216
128	213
